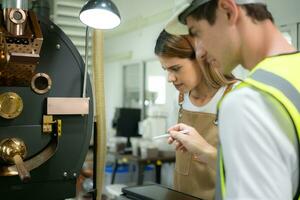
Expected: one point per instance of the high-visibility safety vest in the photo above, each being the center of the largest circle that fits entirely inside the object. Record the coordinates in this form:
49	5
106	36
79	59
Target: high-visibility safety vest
278	76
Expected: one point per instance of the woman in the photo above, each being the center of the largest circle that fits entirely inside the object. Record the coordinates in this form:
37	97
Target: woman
201	86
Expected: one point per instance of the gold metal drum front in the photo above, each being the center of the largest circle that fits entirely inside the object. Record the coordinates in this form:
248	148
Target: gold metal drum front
11	105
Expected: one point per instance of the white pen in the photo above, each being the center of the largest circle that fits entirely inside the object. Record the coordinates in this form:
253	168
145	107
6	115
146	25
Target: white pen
168	135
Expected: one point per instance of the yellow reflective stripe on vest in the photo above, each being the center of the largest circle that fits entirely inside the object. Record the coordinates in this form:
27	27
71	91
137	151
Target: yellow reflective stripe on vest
281	89
286	93
222	173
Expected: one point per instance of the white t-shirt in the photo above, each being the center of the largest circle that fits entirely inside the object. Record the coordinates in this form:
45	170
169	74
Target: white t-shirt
210	107
259	147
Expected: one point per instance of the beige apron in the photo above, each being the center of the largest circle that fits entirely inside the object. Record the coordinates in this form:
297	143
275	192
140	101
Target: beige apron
191	176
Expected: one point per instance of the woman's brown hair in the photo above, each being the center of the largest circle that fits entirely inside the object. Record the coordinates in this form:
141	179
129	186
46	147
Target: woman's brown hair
180	46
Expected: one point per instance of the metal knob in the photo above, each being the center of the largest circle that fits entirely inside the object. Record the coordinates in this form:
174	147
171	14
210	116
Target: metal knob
13	151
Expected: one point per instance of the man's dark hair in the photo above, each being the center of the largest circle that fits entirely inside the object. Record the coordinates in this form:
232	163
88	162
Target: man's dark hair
207	11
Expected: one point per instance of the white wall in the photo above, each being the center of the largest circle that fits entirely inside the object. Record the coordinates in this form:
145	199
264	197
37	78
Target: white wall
285	11
135	46
138	45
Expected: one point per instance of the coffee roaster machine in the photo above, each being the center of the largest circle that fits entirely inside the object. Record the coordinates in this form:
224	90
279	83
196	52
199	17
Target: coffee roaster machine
45	122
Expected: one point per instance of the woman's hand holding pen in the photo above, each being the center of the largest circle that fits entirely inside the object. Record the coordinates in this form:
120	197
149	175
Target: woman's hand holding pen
194	143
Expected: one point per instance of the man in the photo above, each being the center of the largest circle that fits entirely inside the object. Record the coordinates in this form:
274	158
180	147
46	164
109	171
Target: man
259	122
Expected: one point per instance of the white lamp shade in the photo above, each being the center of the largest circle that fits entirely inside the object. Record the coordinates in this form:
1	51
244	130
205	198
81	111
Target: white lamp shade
100	14
100	19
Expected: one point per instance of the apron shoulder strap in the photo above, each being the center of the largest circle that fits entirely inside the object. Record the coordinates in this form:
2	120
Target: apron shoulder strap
180	98
228	89
180	103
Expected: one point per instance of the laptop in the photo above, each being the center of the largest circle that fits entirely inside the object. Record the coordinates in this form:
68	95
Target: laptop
155	192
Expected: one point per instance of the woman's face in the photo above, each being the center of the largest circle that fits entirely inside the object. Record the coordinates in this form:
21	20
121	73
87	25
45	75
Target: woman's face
184	73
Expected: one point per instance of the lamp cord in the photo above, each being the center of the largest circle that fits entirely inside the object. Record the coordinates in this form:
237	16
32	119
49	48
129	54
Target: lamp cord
86	62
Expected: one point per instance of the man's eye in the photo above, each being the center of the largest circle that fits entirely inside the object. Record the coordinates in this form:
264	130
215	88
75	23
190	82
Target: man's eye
192	34
195	34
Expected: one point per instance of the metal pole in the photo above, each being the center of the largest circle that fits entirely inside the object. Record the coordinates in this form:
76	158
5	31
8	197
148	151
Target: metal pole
86	61
41	8
21	4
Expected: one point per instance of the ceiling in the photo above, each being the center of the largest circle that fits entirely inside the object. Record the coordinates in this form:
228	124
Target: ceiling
136	14
131	9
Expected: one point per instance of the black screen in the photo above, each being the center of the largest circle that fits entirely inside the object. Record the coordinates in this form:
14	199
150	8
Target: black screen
126	122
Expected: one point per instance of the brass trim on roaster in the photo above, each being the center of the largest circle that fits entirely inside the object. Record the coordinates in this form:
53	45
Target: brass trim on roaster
11	105
19	49
13	151
14	19
35	161
34	83
17	21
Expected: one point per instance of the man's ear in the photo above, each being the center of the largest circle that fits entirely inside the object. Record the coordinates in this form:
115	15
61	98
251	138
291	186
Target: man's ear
230	9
